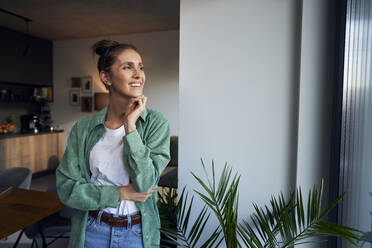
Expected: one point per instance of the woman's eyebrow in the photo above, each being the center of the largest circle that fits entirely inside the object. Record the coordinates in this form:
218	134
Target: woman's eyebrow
131	63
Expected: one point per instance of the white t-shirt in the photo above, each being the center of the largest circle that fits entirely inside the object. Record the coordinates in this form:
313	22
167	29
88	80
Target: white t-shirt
107	167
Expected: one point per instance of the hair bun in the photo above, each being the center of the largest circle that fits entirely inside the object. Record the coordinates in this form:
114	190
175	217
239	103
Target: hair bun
102	46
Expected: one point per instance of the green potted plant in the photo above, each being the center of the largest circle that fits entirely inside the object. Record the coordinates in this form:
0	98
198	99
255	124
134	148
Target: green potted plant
282	223
367	236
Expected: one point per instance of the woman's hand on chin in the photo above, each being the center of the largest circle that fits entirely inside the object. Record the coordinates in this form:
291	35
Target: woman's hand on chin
135	108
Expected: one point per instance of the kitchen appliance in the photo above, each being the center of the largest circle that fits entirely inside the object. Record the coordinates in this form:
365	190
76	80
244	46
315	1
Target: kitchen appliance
45	119
30	123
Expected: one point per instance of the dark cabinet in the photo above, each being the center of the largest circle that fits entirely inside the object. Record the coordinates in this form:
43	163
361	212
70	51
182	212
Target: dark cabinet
25	59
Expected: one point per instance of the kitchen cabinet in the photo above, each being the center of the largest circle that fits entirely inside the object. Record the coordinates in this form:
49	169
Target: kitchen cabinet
37	152
25	59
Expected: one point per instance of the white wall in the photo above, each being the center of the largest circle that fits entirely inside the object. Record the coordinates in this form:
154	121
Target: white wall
316	92
160	54
243	93
237	73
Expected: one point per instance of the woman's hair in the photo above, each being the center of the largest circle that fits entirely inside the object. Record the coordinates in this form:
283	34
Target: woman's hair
108	50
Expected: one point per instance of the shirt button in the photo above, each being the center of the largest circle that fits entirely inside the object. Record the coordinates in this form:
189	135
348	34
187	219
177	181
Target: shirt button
147	237
144	214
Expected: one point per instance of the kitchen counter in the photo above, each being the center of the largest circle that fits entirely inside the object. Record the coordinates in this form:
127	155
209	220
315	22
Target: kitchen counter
17	135
39	152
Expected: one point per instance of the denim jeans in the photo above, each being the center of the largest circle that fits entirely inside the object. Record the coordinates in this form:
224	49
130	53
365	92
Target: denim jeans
98	234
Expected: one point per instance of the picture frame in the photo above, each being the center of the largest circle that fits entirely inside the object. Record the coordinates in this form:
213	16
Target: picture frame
86	85
86	104
74	97
75	82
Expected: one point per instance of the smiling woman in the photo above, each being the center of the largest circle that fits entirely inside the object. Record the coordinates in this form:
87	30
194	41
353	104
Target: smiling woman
127	76
111	182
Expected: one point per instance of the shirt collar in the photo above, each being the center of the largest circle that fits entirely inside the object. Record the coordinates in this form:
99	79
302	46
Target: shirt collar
101	116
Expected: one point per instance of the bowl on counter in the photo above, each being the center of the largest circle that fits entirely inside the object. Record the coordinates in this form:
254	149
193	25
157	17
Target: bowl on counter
6	128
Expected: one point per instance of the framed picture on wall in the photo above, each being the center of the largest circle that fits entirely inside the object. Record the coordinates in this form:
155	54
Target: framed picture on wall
74	97
75	82
86	85
86	104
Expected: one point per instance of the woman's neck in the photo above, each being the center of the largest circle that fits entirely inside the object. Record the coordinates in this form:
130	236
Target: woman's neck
116	111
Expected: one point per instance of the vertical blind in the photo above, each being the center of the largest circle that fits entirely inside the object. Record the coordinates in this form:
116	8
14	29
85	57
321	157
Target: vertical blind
356	129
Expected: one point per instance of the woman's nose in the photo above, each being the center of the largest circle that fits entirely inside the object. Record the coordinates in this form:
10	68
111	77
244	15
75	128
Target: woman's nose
135	73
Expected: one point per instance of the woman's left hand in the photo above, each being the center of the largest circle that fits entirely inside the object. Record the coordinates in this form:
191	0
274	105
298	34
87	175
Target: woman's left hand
135	108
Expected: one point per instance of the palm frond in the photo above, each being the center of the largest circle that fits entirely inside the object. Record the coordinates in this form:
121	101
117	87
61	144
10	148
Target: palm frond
366	236
282	223
222	199
287	223
176	225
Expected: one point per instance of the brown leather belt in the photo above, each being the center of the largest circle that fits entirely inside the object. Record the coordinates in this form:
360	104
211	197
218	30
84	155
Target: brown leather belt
116	221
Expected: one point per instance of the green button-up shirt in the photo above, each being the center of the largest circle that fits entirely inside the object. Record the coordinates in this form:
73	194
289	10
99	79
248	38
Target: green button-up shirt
145	155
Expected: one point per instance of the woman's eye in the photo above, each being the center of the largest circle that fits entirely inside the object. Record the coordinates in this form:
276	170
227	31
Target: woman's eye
142	68
126	67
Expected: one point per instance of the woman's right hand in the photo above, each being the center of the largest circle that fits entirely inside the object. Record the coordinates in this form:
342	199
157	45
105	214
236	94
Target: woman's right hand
135	108
129	192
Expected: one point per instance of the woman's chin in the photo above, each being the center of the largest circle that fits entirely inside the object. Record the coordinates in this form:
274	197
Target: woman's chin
132	95
127	93
135	95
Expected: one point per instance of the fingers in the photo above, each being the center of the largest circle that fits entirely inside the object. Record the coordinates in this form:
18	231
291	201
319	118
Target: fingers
138	101
129	192
144	196
144	99
141	100
141	197
149	193
137	98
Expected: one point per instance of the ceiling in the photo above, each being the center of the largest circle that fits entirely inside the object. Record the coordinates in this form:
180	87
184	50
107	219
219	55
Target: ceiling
74	19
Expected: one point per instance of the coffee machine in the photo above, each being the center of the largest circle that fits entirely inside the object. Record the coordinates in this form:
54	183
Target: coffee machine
30	123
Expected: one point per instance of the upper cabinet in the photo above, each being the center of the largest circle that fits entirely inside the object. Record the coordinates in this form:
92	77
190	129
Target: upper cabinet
25	59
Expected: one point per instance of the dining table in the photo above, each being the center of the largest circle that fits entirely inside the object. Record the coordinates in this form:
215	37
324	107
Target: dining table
20	208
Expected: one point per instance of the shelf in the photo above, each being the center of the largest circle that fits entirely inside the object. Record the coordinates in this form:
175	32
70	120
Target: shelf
25	93
24	101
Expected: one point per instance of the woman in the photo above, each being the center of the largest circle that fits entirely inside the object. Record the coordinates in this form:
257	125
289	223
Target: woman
113	160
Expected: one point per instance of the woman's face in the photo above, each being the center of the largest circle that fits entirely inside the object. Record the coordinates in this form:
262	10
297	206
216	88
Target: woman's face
127	76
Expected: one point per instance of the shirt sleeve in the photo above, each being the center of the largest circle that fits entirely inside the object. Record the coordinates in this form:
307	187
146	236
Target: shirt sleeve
146	159
73	189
